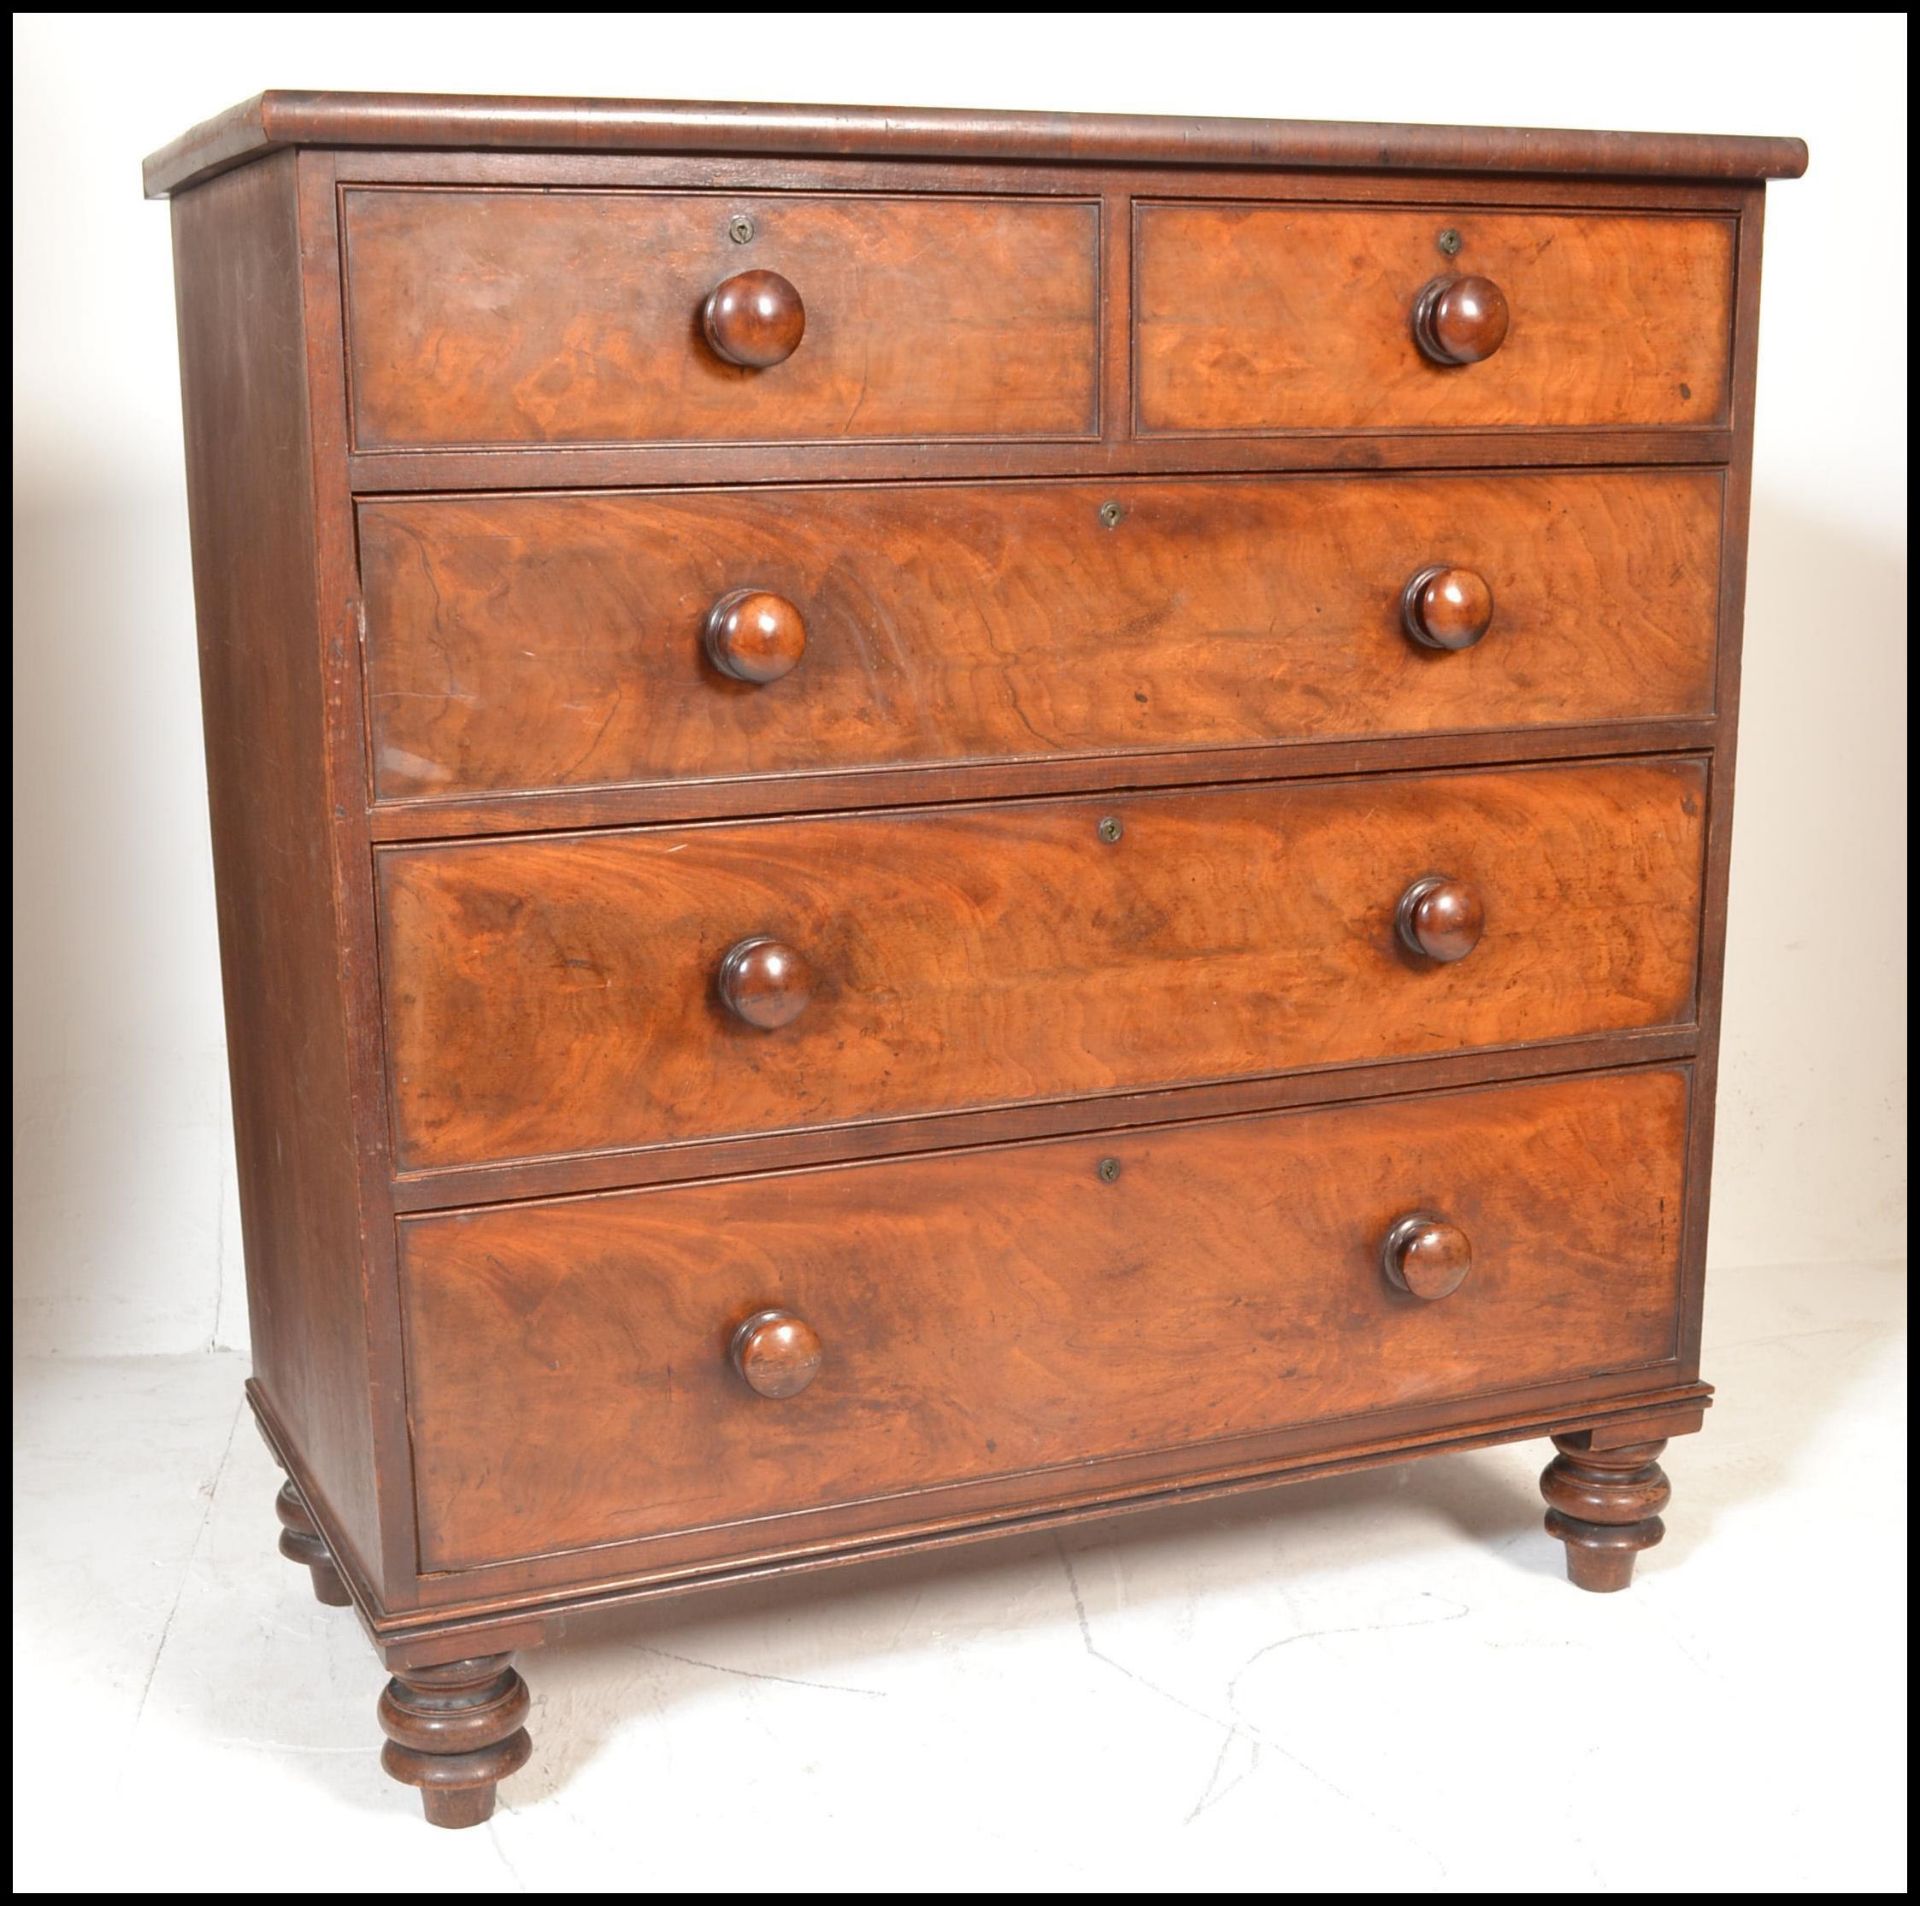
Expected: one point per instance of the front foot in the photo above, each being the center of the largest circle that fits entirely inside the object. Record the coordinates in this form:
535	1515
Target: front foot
1604	1504
454	1732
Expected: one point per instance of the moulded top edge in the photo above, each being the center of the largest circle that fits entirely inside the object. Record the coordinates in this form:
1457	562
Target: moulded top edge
274	120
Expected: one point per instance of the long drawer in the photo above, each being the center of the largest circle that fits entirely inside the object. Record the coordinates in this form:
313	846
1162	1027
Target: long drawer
551	317
1256	318
642	986
531	642
578	1372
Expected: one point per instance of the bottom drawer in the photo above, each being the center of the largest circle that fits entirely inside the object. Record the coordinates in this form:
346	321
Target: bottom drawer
1011	1310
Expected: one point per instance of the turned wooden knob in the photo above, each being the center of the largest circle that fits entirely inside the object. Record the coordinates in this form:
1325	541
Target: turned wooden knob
1426	1256
1460	320
1447	608
755	636
1441	918
755	319
765	983
776	1353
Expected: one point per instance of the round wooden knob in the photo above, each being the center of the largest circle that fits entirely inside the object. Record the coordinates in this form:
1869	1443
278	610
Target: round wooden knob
764	983
1441	918
755	319
776	1353
1460	320
1447	608
1426	1256
755	636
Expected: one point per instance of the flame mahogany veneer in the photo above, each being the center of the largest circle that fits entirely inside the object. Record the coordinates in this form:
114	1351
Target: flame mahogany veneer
930	823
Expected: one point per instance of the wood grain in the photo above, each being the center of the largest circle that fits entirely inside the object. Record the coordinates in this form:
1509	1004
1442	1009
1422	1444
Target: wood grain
279	885
449	1187
558	995
1713	926
1008	1312
458	817
534	642
1283	317
552	318
556	126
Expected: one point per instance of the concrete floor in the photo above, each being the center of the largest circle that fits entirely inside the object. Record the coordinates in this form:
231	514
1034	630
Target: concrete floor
1373	1683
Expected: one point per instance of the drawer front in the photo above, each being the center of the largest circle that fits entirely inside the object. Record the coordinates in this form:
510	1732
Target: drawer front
1279	318
990	1313
566	994
576	317
529	642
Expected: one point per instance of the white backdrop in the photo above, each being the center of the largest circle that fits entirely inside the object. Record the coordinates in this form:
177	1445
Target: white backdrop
126	1226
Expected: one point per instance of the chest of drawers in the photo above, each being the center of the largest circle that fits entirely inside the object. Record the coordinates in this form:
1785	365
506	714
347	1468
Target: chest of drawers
934	822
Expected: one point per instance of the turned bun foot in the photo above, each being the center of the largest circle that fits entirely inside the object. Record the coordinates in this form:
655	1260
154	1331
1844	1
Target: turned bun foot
301	1541
456	1732
1604	1504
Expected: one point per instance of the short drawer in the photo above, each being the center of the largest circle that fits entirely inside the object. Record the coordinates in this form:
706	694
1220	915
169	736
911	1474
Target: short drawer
1000	1314
520	317
643	986
535	642
1261	317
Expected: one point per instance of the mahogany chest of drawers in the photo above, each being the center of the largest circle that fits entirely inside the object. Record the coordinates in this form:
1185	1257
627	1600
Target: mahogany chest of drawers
932	822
